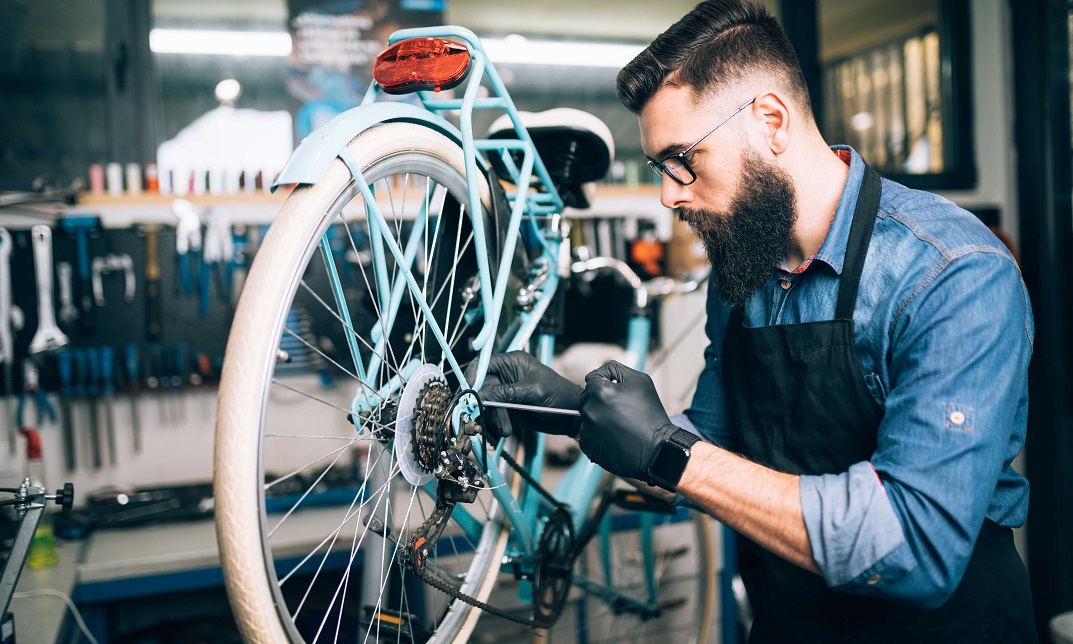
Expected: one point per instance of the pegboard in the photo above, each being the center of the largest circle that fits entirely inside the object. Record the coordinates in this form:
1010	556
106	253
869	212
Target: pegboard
119	322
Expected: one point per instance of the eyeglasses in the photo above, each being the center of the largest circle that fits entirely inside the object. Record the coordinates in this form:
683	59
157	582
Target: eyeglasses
676	166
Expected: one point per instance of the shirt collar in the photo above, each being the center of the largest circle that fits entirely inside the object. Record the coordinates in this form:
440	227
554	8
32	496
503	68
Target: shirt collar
833	250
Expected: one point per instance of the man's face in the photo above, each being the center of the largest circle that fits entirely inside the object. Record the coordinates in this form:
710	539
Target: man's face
742	206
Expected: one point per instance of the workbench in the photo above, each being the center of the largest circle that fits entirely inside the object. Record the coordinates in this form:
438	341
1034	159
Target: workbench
112	566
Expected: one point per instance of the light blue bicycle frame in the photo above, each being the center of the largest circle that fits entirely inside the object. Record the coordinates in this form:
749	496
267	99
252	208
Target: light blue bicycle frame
541	210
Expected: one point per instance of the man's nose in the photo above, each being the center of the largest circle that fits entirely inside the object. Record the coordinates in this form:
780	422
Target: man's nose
674	194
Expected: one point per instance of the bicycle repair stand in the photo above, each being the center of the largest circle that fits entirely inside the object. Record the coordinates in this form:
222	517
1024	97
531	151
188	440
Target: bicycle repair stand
29	502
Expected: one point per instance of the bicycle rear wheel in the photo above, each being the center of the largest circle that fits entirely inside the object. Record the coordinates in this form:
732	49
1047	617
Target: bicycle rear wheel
644	578
312	515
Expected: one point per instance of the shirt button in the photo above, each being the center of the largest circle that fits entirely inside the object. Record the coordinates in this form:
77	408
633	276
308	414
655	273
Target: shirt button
874	580
957	417
785	284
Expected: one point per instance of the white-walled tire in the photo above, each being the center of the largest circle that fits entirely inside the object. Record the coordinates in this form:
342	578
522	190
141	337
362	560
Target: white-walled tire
276	425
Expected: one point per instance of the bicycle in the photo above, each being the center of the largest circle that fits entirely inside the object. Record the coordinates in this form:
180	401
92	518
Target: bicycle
455	248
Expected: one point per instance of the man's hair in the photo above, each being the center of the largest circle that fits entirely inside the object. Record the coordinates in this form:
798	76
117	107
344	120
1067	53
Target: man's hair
719	42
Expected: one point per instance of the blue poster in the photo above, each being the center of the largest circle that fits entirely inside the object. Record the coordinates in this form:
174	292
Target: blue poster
335	45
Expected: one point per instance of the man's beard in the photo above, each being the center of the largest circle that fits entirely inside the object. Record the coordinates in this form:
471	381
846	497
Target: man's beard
746	244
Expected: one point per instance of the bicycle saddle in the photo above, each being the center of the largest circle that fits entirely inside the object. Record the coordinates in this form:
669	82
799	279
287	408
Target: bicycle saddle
577	148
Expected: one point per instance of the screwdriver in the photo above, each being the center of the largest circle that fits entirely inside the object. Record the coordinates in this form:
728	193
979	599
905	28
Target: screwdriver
132	380
107	358
65	364
519	406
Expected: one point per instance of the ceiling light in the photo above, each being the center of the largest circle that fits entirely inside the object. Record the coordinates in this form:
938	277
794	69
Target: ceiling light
228	91
522	51
220	43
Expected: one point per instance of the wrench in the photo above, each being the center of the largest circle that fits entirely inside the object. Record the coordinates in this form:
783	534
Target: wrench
48	336
68	312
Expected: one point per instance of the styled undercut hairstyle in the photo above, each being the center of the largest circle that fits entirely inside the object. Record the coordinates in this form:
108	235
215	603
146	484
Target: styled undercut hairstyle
719	42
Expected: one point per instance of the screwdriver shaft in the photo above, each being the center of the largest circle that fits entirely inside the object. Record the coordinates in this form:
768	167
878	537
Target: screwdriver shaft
538	408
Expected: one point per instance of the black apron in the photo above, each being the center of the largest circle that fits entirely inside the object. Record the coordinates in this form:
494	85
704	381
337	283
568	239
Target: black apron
801	406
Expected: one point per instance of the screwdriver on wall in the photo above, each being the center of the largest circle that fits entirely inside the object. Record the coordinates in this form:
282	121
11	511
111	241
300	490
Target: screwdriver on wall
177	377
152	284
132	393
153	377
65	366
107	355
93	377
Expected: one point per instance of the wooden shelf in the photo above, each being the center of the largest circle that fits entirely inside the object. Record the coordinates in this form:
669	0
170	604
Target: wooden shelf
261	207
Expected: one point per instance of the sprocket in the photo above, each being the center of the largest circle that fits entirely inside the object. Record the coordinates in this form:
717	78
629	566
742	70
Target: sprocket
428	433
553	574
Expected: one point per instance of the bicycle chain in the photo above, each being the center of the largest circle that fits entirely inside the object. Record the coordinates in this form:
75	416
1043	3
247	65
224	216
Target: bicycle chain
418	540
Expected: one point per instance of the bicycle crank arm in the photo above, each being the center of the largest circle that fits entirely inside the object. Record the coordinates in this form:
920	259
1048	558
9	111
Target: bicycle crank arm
546	410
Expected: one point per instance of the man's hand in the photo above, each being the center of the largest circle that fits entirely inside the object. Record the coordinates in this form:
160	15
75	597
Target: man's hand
518	377
622	420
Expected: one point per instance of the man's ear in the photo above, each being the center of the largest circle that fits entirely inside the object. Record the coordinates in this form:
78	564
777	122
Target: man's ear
776	117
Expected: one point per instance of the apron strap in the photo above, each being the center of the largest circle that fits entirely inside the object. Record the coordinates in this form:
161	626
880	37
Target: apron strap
860	234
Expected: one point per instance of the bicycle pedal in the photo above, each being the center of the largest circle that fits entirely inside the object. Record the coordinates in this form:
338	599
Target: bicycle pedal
394	626
640	502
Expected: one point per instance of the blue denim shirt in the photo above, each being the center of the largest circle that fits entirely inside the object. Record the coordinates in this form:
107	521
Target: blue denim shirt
944	333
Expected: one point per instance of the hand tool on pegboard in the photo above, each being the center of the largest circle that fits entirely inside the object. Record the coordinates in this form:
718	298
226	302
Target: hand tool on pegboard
133	373
218	252
10	321
32	392
81	227
154	378
48	336
152	284
176	376
68	311
239	264
92	382
199	378
107	265
107	357
65	367
187	243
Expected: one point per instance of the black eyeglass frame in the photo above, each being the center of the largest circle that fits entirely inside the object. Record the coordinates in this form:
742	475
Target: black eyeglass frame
660	167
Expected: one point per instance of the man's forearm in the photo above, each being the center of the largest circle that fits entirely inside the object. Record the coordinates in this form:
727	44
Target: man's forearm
758	502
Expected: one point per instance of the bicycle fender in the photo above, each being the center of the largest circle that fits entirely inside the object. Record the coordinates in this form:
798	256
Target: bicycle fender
310	160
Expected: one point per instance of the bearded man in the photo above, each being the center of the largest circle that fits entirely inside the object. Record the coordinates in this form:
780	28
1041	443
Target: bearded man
865	386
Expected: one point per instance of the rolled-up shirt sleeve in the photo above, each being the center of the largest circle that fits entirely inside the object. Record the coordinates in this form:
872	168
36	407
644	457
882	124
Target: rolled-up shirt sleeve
903	525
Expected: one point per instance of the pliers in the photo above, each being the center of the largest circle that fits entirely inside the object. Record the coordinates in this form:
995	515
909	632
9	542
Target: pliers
31	389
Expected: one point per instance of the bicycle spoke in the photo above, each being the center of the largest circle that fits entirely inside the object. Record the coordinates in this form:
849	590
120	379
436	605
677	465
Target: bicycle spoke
321	353
297	503
375	301
330	539
337	317
296	390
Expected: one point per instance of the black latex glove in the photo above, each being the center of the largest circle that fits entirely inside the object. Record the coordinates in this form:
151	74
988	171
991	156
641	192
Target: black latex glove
518	377
622	420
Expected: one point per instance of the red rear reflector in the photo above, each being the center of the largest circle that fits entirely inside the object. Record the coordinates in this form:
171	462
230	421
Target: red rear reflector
421	64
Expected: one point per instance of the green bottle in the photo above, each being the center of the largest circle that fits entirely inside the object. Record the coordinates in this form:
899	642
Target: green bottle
43	545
